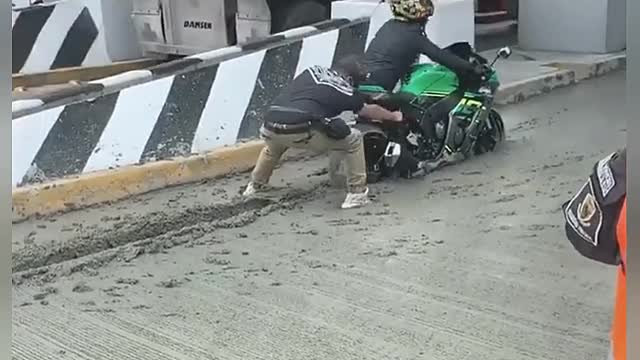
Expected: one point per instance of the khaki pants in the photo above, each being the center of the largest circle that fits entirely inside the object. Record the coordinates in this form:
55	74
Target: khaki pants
349	149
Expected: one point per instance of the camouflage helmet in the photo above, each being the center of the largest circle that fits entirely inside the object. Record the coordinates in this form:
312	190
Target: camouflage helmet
411	10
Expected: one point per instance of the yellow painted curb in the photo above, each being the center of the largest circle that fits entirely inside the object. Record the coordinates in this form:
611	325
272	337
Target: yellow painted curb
110	185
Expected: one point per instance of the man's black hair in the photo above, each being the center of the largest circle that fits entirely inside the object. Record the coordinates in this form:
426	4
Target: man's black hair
352	66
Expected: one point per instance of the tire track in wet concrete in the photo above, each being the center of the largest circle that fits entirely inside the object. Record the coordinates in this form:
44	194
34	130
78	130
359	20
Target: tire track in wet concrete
149	233
130	230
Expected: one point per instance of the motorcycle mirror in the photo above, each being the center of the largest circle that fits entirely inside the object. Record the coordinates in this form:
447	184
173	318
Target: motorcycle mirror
505	52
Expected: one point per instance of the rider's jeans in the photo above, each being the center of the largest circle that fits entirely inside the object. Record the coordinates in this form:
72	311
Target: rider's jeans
349	149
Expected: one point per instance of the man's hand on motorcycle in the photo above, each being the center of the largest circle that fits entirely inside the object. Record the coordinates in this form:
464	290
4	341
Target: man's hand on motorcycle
398	116
377	113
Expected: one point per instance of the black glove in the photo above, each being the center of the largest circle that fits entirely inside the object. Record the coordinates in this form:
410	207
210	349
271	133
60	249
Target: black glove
482	71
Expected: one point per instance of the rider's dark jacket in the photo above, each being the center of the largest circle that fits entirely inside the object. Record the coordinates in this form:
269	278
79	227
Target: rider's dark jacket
397	45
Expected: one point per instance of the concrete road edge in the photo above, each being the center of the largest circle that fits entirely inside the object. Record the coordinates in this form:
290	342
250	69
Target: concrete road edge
568	73
117	184
111	185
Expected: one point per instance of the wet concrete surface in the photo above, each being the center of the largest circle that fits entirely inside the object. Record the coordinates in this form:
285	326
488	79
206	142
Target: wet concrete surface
468	263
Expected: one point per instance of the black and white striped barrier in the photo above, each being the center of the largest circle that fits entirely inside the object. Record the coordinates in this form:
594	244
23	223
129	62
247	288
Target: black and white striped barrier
72	33
186	106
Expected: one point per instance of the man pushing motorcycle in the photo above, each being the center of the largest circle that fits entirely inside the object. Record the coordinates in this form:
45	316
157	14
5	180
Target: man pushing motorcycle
397	46
305	116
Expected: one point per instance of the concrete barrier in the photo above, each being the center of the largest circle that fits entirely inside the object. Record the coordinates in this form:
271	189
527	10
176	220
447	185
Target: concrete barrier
174	109
72	33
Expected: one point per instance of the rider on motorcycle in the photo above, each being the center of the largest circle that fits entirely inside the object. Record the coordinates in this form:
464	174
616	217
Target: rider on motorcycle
397	46
401	40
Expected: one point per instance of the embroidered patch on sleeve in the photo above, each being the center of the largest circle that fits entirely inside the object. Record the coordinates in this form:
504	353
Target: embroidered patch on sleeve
584	215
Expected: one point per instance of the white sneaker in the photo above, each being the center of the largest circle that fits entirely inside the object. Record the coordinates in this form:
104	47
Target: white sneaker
251	189
354	200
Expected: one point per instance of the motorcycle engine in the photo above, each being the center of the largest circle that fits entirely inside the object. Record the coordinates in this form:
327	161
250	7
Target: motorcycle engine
441	132
412	138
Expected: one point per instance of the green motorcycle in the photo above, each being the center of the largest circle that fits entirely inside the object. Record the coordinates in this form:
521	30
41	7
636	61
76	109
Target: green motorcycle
447	119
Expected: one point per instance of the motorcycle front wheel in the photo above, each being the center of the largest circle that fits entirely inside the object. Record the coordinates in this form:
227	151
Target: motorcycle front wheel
491	135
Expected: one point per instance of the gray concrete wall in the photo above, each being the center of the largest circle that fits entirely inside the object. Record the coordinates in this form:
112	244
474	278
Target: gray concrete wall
118	28
574	26
616	25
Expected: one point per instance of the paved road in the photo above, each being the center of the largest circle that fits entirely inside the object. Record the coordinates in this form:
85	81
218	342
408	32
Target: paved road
470	263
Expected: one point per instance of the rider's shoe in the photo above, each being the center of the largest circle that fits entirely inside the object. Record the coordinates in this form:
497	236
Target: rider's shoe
446	159
451	158
422	169
426	167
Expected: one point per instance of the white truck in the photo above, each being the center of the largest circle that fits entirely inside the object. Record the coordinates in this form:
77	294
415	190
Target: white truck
180	27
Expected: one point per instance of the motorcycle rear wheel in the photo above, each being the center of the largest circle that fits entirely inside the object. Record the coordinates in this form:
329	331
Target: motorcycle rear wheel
374	141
